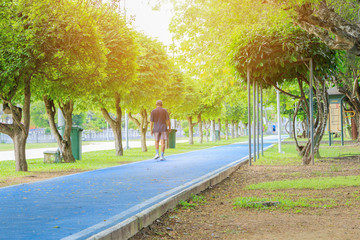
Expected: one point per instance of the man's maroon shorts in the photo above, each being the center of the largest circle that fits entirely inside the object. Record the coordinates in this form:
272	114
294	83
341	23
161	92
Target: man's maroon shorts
160	135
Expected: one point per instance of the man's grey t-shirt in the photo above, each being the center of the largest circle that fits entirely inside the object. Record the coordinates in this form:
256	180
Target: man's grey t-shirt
159	116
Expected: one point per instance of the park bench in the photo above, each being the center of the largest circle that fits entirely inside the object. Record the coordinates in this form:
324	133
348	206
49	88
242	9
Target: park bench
52	156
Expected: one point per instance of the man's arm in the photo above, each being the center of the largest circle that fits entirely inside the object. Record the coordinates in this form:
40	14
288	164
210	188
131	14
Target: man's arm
169	124
151	128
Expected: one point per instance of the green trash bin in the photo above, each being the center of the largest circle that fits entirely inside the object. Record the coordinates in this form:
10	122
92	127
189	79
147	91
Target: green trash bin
172	138
76	140
217	135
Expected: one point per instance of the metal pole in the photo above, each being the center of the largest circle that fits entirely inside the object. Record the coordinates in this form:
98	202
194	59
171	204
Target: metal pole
249	112
311	112
261	120
258	120
254	118
278	118
342	122
329	131
126	131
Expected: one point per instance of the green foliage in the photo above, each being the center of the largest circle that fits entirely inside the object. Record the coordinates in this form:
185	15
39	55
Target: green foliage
152	73
201	32
121	55
38	115
74	51
271	52
94	121
19	48
79	119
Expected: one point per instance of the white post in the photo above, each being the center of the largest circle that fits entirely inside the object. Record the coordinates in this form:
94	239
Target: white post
212	133
61	120
249	112
126	131
278	118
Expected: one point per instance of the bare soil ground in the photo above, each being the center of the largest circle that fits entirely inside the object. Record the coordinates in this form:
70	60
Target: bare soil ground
218	219
34	177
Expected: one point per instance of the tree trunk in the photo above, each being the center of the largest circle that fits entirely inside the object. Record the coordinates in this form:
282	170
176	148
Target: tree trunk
19	129
191	130
142	126
227	129
219	123
143	140
18	133
19	140
115	125
232	129
320	92
201	133
354	131
236	124
213	133
206	130
64	142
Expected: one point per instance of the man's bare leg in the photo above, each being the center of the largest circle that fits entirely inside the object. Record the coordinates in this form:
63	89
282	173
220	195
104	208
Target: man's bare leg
157	148
162	148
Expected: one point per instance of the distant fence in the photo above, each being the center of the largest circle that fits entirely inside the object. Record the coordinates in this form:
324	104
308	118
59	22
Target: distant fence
39	136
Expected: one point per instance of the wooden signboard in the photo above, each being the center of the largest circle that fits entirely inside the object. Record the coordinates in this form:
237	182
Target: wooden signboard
335	118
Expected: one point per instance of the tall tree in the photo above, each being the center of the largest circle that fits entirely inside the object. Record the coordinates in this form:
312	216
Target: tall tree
120	70
22	46
152	75
75	67
280	59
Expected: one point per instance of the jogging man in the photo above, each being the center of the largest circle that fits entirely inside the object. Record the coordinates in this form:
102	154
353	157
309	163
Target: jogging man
159	120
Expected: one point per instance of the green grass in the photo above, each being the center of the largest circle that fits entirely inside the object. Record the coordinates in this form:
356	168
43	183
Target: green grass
338	150
309	183
284	203
10	146
101	159
290	156
194	201
298	200
273	157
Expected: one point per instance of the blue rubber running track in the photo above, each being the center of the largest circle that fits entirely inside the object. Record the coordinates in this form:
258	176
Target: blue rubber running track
81	205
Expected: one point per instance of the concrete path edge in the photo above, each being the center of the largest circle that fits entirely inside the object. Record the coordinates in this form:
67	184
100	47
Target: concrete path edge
133	225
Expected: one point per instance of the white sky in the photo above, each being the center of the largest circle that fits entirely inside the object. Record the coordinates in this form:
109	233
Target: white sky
152	23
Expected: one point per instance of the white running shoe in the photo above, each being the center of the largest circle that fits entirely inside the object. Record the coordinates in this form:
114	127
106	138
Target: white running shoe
162	158
156	156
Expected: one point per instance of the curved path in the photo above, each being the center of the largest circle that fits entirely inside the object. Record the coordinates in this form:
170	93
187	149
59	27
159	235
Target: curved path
81	205
86	147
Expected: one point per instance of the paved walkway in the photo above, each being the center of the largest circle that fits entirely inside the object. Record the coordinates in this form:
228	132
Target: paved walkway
81	205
